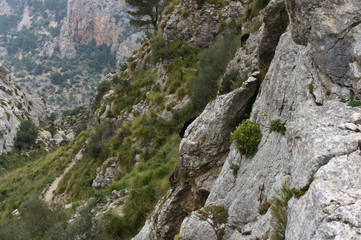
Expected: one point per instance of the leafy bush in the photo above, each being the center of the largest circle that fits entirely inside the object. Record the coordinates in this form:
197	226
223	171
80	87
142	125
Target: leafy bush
277	126
235	168
247	136
95	148
228	80
57	78
103	87
353	102
26	136
8	22
35	219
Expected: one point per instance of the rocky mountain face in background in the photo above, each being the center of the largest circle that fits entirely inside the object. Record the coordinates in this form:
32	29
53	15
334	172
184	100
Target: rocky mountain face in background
313	66
46	43
107	22
15	106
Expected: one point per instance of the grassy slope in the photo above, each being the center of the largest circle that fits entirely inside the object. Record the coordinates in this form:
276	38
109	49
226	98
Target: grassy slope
29	180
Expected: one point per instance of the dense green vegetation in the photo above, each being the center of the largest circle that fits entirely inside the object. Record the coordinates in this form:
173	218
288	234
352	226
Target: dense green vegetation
211	67
26	136
7	23
29	175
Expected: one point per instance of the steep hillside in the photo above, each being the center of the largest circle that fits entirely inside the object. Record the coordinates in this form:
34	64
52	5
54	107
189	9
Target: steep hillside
60	49
267	95
302	182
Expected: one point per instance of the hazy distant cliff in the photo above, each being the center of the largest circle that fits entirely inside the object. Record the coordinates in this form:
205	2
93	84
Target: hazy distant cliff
47	37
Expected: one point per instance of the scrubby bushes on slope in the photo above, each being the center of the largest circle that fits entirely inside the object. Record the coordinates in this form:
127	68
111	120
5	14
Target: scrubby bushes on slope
211	67
26	136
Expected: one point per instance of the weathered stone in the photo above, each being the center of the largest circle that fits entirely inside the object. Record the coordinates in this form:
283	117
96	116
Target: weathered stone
105	21
275	22
206	140
331	30
199	25
311	140
106	173
331	207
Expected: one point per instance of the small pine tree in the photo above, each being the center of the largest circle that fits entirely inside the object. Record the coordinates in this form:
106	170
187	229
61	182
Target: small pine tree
148	12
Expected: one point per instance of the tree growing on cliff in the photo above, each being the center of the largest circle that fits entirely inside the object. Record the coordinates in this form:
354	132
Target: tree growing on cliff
147	13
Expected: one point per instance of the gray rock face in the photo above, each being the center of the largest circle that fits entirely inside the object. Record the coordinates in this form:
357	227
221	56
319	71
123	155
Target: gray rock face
333	32
331	207
15	105
313	139
106	173
105	21
206	140
275	23
199	24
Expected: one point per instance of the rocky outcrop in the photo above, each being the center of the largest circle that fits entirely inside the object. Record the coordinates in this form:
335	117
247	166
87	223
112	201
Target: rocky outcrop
319	150
331	207
199	24
333	32
315	66
15	106
106	173
203	151
107	22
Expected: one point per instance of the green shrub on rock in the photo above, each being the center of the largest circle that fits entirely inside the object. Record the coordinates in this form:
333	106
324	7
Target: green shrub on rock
247	137
277	126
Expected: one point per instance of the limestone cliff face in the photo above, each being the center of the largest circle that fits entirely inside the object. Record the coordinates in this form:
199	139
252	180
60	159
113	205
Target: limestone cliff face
105	21
16	105
316	64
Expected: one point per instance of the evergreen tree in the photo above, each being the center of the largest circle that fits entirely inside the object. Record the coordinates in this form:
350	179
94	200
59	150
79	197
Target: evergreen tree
147	13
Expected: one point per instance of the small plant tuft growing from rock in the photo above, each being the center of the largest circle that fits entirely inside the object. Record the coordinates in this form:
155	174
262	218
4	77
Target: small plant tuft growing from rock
235	168
277	126
353	102
310	88
247	137
263	208
279	212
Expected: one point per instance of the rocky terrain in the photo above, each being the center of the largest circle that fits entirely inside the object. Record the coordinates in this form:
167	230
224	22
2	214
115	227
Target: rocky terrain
319	151
293	84
16	106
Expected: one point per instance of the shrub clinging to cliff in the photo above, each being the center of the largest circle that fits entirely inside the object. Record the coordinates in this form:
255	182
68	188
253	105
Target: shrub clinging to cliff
247	137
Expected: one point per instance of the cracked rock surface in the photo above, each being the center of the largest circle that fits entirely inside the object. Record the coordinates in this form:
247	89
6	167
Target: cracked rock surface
314	141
